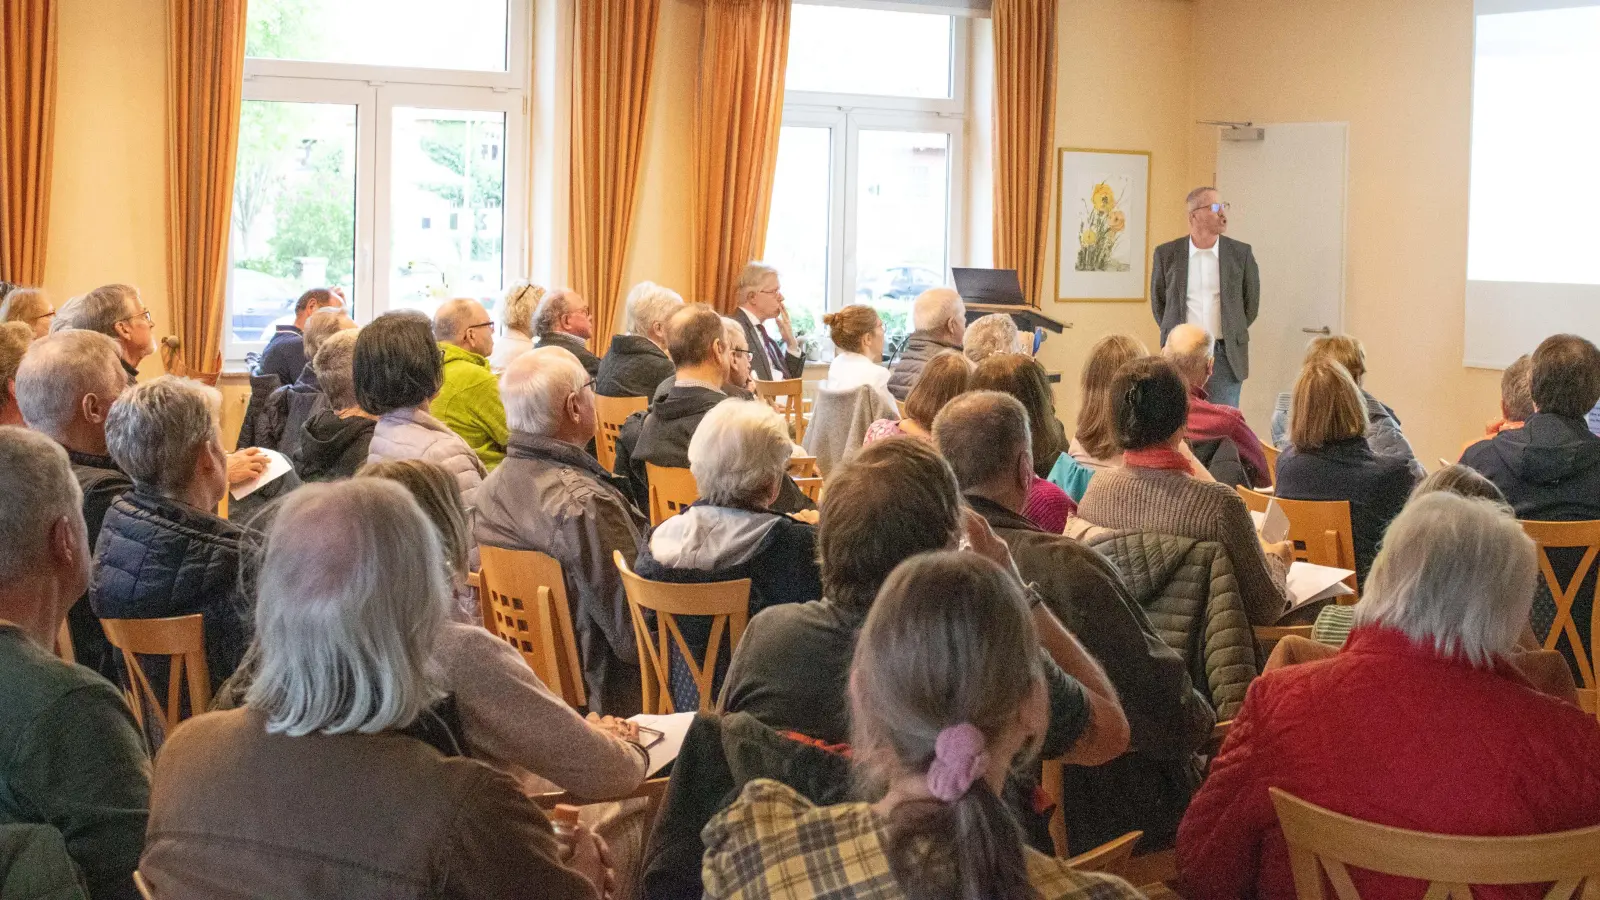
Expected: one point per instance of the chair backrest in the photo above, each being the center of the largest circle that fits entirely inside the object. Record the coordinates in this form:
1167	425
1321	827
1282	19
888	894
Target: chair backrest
787	396
1108	857
524	598
182	639
803	467
726	602
1271	454
811	487
1268	636
1583	536
1319	530
609	414
1324	843
671	491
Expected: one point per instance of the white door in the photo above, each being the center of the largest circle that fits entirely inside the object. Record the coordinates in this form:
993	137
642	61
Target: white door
1288	202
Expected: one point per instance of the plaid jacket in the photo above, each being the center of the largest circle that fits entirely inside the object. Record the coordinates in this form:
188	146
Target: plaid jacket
774	843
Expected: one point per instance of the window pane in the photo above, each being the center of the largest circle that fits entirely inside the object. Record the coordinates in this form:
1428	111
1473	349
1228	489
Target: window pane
902	216
868	51
429	34
294	221
447	202
797	227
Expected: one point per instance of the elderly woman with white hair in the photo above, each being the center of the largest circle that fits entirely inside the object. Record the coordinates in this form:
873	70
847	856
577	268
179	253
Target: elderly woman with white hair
739	456
637	362
991	334
1421	722
326	773
516	324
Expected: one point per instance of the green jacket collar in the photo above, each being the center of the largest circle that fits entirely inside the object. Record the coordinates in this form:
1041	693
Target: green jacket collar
452	353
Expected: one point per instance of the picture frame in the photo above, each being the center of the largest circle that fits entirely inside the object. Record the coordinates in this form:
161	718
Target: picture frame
1102	225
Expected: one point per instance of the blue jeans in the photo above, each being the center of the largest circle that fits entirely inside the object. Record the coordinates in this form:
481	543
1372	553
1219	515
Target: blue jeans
1224	386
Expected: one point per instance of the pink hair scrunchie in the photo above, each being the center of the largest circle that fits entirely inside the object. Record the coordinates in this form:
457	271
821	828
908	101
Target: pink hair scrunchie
959	759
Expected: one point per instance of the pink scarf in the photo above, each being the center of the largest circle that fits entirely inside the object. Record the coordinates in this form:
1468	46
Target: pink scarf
1158	457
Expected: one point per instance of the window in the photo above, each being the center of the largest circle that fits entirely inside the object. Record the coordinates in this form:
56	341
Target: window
379	151
866	202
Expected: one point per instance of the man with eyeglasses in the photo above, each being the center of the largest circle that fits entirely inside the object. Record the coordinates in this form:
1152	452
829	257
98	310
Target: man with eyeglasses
116	311
469	399
760	300
1209	280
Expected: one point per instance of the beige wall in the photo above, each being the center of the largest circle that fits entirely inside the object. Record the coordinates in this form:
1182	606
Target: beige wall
1401	75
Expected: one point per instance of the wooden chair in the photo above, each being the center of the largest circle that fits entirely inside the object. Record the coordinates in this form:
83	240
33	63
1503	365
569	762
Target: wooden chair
671	491
1324	843
142	886
1268	636
1271	454
811	487
788	397
1109	857
726	602
1571	535
804	467
182	639
524	602
1319	530
609	414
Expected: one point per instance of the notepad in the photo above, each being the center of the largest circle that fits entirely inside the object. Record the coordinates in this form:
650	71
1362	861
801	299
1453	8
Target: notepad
277	467
1309	582
673	727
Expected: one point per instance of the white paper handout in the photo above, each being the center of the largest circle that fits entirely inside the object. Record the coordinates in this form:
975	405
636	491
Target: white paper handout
672	727
1309	582
1274	523
277	467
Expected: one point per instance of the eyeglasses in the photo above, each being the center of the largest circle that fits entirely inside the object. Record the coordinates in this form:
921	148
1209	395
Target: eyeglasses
1214	207
771	291
738	350
481	325
145	315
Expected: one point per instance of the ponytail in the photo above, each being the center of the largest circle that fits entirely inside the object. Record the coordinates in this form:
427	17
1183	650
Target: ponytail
970	849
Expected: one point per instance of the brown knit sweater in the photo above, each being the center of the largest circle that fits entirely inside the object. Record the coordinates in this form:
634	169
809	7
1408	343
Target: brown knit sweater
1168	502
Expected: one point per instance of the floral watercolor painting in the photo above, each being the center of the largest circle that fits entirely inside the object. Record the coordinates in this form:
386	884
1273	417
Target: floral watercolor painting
1100	245
1102	224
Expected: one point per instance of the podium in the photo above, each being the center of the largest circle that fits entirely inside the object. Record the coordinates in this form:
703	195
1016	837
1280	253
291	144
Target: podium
988	291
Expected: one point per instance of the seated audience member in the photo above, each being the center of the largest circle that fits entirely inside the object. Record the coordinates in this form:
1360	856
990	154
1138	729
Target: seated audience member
941	712
857	335
162	551
551	496
984	437
940	319
562	320
31	307
508	717
891	501
1022	377
67	315
939	380
335	441
71	758
1190	349
321	771
516	325
288	408
286	355
469	394
988	335
1094	444
14	340
116	311
1549	469
739	456
637	362
760	300
398	372
1424	668
1384	432
66	386
1155	489
741	383
1329	459
1516	398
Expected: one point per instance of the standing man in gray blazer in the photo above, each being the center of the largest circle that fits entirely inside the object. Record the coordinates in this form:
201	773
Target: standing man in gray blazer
1212	281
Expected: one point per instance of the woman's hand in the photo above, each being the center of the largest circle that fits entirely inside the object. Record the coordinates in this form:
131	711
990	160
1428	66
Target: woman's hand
1283	550
622	728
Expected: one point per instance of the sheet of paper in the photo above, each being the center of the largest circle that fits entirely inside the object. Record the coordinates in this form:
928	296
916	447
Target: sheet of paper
277	466
1309	581
1275	523
672	727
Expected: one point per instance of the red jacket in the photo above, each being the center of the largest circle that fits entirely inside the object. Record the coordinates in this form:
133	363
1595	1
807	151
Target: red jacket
1209	421
1397	734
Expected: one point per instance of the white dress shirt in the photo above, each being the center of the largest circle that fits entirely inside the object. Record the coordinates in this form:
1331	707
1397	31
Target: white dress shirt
1205	288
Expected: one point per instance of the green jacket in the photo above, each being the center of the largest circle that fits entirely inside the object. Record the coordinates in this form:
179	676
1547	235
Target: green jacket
469	402
71	758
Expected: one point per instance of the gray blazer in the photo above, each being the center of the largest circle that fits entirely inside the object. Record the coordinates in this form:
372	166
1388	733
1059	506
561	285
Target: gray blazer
1241	294
793	366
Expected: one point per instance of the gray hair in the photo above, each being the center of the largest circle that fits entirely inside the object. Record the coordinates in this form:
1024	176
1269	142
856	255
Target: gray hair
37	488
59	371
536	385
556	304
979	434
105	306
988	335
1190	348
1455	573
934	307
750	278
516	313
733	333
350	600
335	368
453	317
323	324
158	429
650	304
739	451
1196	194
67	315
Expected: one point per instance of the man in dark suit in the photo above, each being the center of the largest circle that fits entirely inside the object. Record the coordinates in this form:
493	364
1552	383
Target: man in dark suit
760	299
1209	280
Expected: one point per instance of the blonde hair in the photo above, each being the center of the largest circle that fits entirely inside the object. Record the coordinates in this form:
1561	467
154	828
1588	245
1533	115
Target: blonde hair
850	327
436	491
24	305
1096	430
1326	406
516	313
1342	349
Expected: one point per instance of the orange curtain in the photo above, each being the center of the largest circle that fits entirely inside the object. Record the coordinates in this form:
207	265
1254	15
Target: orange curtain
614	45
205	79
27	126
1024	127
744	45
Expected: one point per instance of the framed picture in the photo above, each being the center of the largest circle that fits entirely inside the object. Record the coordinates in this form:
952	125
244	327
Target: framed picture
1102	225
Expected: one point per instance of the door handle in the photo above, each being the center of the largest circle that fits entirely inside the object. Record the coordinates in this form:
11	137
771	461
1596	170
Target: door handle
1322	330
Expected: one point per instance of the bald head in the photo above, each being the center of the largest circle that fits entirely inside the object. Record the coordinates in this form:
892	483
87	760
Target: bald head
940	311
1189	348
466	324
